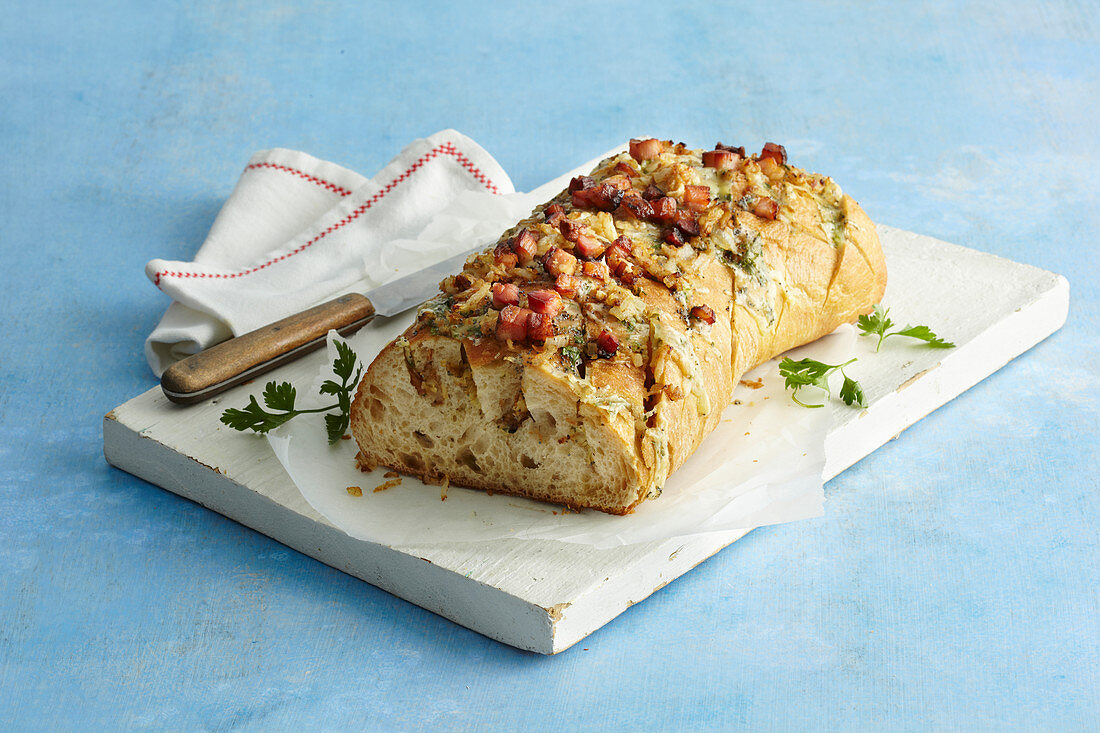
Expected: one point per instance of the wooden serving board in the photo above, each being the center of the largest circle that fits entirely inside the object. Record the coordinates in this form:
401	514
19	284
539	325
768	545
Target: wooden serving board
543	595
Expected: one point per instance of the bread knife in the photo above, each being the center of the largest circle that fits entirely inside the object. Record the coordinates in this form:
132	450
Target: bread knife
237	360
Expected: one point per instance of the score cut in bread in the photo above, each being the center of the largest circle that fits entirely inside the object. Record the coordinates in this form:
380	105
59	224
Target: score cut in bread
583	358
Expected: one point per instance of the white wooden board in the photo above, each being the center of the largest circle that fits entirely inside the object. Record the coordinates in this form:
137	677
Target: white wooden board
545	596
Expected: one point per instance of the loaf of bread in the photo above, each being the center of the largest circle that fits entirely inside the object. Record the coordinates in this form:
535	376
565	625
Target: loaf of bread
583	358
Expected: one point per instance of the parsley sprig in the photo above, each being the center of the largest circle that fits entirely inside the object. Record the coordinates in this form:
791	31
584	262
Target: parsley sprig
279	400
877	324
812	373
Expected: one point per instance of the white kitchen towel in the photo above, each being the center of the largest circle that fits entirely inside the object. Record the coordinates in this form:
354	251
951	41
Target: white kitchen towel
297	231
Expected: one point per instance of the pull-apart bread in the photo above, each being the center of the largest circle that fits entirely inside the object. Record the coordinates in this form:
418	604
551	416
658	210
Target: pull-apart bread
583	358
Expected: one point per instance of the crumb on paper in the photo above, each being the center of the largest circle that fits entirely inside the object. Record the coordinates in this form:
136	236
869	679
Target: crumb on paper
746	432
737	402
754	383
388	485
443	487
355	490
364	463
390	474
345	436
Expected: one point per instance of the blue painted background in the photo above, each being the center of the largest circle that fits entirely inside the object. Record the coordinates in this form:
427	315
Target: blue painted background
954	579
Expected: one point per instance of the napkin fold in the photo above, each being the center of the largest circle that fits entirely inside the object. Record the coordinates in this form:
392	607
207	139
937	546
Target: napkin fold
297	231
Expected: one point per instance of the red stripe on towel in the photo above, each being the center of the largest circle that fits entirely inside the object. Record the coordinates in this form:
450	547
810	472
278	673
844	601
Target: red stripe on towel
447	149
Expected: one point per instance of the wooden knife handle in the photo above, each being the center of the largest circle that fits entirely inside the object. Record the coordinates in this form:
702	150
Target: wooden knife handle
239	359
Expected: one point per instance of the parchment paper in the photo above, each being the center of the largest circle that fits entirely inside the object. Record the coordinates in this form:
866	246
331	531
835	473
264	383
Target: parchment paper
762	465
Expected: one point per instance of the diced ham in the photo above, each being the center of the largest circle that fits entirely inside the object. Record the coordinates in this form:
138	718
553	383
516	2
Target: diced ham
581	236
664	210
539	326
619	250
588	246
526	246
554	214
765	208
673	236
598	270
618	258
740	149
546	302
652	193
579	183
558	261
776	152
566	285
626	169
703	313
721	159
505	294
585	199
571	229
607	344
636	206
512	324
503	255
645	149
697	198
687	224
604	197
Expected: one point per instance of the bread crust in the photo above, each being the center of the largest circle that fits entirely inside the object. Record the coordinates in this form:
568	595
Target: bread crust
774	258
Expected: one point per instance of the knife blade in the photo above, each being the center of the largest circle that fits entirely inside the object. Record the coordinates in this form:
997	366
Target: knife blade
411	290
237	360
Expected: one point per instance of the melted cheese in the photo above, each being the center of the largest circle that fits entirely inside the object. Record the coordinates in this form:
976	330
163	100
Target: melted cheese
604	398
683	354
657	437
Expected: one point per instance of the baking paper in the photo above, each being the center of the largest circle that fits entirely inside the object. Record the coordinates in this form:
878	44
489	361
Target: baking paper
761	465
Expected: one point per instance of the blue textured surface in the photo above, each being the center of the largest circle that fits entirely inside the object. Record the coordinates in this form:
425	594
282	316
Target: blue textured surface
954	579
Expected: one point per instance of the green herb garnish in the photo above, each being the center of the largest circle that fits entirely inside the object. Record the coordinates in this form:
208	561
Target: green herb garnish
279	400
572	356
877	324
811	373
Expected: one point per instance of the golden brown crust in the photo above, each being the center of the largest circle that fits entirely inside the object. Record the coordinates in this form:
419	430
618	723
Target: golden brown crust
587	355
